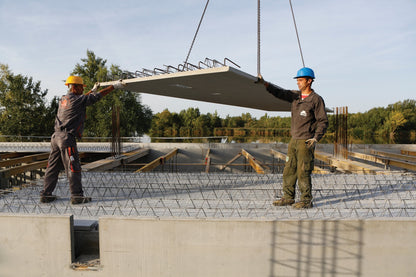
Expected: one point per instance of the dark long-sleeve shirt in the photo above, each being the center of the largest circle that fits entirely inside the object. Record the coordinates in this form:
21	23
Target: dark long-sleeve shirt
309	119
72	112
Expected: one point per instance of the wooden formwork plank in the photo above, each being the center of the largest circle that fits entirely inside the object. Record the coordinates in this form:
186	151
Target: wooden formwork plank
231	161
254	164
408	152
347	165
394	156
25	159
9	155
392	159
207	160
367	157
110	163
402	164
316	169
279	155
6	173
158	161
134	155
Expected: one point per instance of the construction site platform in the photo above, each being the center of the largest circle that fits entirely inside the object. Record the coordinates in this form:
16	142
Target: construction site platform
220	195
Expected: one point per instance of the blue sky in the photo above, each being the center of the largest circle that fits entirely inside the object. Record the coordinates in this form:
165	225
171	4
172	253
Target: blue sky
363	52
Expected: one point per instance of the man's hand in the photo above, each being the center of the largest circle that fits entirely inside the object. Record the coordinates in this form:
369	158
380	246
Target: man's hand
119	85
311	142
260	80
95	87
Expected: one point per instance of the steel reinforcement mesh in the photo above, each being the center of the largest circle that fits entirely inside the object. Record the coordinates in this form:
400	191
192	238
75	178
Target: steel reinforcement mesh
201	195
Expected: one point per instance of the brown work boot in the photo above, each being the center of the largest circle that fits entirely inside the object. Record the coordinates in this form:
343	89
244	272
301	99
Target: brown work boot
47	198
80	200
303	205
283	202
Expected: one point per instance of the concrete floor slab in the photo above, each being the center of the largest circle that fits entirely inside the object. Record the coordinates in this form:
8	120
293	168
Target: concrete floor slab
222	195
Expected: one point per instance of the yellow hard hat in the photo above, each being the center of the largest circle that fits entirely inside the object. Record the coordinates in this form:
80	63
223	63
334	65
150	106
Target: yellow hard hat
74	80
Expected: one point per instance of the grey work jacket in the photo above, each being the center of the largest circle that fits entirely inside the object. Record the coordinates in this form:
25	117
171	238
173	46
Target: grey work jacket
72	112
309	119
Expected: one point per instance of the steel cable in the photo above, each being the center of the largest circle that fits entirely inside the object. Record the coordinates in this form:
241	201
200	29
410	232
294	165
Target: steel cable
196	33
297	34
258	38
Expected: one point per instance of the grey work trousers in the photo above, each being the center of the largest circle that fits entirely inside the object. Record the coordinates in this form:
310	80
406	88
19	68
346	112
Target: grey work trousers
298	167
64	155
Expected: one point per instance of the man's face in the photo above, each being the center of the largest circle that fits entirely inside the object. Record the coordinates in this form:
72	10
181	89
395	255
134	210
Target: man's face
78	89
303	83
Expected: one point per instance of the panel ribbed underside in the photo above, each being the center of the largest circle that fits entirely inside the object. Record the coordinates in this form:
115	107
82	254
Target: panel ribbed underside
222	85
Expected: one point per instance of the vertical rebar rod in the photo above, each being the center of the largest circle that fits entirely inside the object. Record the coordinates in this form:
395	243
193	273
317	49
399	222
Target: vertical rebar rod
115	133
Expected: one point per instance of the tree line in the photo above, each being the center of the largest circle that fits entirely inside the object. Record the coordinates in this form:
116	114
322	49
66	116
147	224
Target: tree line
25	114
394	124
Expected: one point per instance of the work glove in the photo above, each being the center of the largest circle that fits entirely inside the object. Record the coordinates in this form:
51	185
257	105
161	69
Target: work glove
95	87
311	142
260	80
119	85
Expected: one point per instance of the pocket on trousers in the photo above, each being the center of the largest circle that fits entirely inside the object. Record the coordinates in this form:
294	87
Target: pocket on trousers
73	157
308	166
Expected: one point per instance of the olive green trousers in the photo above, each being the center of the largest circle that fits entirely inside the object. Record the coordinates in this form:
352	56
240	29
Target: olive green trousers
298	167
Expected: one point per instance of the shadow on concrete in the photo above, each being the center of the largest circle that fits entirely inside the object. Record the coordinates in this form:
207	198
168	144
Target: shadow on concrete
316	248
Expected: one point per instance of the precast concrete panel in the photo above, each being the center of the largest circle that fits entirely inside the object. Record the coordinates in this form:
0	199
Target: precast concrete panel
221	85
193	247
35	245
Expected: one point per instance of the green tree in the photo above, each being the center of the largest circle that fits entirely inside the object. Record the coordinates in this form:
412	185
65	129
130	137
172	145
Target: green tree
22	105
135	118
395	120
189	116
161	122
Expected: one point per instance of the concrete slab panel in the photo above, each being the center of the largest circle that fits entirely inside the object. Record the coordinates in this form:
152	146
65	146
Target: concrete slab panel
35	245
192	247
222	85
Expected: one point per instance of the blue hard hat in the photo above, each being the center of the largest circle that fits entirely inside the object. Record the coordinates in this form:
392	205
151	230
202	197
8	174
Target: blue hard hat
305	72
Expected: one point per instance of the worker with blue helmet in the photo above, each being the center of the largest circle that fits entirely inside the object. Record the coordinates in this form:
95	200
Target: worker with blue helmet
309	123
305	72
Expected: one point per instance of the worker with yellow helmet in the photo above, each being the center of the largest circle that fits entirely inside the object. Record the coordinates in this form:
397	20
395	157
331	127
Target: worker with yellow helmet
69	125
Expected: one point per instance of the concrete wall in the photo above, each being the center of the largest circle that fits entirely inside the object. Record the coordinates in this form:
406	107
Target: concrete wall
35	245
41	246
258	248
